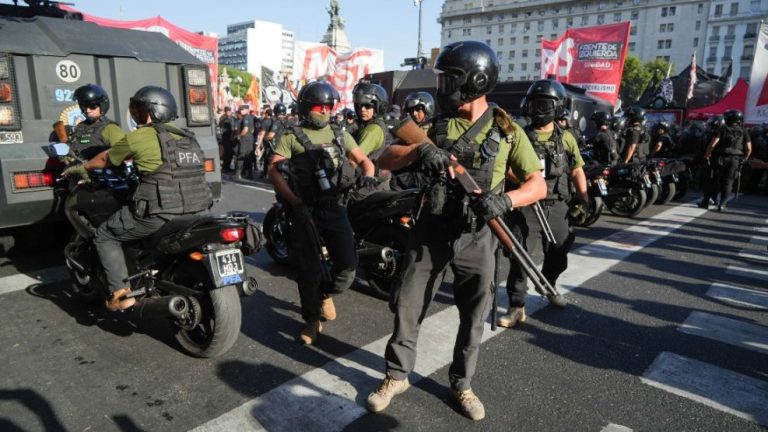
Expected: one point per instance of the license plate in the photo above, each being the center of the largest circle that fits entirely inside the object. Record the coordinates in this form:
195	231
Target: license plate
229	267
11	137
647	180
601	185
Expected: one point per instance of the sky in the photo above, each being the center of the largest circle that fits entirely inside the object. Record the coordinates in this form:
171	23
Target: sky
391	25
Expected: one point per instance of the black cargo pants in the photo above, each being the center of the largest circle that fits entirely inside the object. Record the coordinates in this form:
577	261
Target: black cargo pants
431	249
525	226
121	227
726	173
336	234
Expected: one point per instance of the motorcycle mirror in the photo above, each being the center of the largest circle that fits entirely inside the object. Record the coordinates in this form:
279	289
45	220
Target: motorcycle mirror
60	149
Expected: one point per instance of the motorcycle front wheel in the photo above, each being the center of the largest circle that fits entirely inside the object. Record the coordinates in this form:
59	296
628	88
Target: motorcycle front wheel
215	317
595	210
382	280
629	204
652	195
668	191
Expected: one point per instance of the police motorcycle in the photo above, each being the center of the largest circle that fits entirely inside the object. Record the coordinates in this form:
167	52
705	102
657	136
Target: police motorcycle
597	175
189	273
627	191
381	222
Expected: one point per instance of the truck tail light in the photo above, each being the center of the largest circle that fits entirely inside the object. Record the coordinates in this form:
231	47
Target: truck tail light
9	104
196	95
32	180
209	165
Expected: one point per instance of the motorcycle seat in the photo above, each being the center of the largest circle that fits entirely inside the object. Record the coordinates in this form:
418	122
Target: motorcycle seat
384	196
175	225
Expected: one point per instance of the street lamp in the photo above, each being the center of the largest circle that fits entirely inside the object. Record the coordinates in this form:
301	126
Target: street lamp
418	3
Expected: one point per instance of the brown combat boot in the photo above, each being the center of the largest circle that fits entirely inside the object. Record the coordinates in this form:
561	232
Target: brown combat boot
512	317
388	388
469	403
309	333
328	309
118	301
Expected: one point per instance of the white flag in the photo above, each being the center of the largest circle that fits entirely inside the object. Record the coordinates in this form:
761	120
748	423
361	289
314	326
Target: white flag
757	98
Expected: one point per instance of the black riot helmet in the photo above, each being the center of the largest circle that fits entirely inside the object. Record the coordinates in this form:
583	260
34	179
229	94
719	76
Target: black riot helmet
279	109
543	102
369	93
635	114
467	71
316	93
733	117
421	98
349	114
565	115
662	126
158	102
618	123
715	122
90	95
601	118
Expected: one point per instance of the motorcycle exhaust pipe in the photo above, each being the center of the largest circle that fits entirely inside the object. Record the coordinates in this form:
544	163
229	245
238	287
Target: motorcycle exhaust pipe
174	306
71	262
376	254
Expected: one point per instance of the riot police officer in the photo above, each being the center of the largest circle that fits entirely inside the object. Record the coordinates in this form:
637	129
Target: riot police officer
170	185
371	103
97	130
228	142
318	155
564	121
246	148
421	107
452	230
731	147
559	155
636	139
271	130
604	143
664	146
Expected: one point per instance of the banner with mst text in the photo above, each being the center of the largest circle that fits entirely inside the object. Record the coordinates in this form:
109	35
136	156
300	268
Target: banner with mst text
589	57
312	61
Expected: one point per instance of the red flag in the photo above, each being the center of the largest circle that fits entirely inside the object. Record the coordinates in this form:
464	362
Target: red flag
692	79
588	57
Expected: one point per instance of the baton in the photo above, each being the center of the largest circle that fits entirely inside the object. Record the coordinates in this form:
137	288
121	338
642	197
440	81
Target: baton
495	287
544	223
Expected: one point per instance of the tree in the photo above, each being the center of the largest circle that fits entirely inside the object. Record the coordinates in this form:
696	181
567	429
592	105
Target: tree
637	75
238	88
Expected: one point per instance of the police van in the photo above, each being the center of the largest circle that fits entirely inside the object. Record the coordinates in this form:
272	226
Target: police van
47	53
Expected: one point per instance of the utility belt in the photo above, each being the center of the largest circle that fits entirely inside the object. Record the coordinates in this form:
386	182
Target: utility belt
448	205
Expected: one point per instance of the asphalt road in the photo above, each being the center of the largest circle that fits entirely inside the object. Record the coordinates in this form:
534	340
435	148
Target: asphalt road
666	330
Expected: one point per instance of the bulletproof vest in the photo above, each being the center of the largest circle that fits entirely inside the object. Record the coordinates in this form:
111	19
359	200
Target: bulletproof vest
643	143
555	162
731	141
387	137
178	186
322	171
89	134
606	155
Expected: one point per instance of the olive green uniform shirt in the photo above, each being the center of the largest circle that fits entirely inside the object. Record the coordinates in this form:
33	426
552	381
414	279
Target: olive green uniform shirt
569	144
141	145
289	145
371	138
112	134
520	157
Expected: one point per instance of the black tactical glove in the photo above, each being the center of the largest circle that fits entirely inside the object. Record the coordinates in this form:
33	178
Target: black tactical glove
433	158
488	206
367	182
77	172
300	213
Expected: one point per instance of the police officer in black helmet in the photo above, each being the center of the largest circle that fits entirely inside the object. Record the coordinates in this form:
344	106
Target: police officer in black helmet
452	230
730	148
421	107
604	143
663	146
636	139
371	103
318	153
559	154
96	130
271	130
155	147
564	121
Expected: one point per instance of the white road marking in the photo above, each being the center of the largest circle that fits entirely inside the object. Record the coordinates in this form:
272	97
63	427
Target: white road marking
727	330
757	240
22	281
722	389
612	427
739	296
756	255
258	188
752	273
331	397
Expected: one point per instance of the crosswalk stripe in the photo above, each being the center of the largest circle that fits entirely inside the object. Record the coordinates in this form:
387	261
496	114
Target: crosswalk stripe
754	255
727	330
22	281
739	296
752	273
612	427
758	240
722	389
329	398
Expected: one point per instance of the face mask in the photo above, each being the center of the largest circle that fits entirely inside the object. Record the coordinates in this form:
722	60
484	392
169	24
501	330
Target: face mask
318	120
542	121
449	103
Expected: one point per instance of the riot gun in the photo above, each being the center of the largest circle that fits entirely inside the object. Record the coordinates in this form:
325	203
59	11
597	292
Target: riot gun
542	218
410	133
317	247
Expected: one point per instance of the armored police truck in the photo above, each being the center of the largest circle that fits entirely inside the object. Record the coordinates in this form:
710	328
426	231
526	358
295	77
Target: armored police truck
47	53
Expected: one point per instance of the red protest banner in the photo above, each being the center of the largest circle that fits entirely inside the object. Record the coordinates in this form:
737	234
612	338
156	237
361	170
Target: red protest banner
589	57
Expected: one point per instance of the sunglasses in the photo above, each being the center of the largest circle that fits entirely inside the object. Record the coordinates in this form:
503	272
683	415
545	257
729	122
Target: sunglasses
89	107
366	106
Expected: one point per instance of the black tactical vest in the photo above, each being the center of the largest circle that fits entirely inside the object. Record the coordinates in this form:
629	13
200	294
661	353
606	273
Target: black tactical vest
89	134
321	163
609	154
555	162
731	142
179	185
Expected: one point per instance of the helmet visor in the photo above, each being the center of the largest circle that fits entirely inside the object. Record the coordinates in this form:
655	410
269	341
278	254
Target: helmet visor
541	107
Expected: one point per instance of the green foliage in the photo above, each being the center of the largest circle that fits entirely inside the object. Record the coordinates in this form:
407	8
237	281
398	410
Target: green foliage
238	88
637	75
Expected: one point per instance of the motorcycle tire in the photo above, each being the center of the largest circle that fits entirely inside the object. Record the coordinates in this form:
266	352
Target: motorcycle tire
652	195
682	187
275	228
596	207
396	237
219	321
85	288
668	191
629	205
